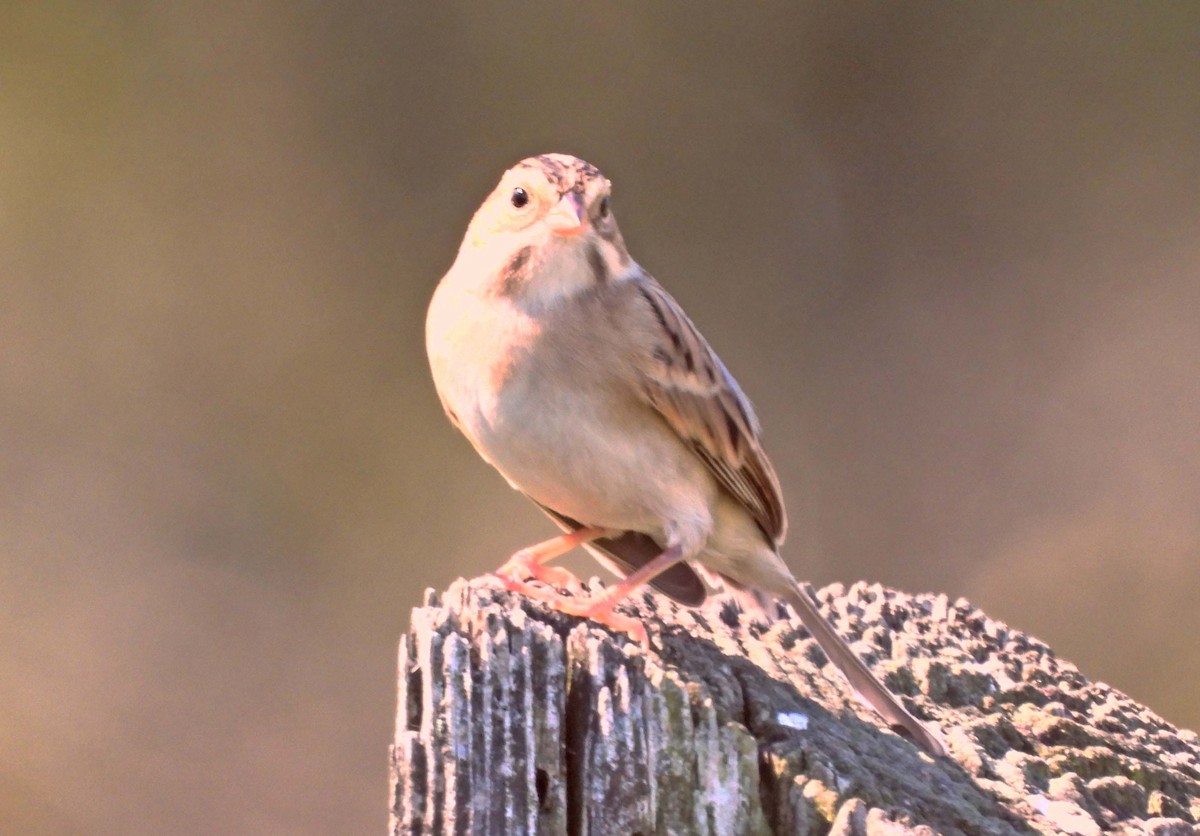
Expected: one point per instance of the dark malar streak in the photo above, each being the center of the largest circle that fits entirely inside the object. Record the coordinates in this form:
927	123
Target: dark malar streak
514	274
598	265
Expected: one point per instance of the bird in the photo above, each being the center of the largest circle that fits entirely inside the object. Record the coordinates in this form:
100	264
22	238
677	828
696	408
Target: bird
576	375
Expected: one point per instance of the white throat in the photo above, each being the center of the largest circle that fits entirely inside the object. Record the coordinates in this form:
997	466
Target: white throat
560	270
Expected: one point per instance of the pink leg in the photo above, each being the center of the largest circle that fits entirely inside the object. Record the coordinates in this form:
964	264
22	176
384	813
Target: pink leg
600	607
528	563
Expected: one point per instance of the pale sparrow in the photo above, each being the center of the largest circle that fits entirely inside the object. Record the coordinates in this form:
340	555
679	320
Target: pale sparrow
580	379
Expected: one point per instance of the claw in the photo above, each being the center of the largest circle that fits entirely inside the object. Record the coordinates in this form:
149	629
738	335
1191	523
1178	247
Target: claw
630	626
559	578
544	594
600	609
529	564
524	566
597	608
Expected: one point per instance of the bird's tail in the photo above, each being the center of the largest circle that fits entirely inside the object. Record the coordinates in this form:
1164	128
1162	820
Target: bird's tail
868	687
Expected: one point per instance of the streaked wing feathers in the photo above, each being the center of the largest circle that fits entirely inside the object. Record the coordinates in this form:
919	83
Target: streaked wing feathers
687	383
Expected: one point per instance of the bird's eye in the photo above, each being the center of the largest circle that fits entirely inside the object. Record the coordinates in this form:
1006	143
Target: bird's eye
604	207
519	197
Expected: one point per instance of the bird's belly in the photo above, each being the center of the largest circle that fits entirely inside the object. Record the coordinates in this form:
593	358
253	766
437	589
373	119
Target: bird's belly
564	431
589	457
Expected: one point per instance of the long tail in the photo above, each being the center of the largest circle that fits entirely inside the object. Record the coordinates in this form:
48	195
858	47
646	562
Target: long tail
860	677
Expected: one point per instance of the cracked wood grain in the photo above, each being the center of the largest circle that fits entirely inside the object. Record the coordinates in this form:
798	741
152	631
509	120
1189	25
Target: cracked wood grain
515	719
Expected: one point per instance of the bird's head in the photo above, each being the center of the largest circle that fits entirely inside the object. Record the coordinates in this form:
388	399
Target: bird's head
547	231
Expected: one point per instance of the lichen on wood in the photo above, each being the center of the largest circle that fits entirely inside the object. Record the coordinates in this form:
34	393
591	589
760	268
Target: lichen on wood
516	719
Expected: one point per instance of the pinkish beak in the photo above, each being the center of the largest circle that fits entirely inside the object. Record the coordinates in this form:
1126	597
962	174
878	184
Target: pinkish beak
568	217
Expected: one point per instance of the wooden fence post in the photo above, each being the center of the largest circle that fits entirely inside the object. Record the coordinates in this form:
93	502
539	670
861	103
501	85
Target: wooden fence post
513	719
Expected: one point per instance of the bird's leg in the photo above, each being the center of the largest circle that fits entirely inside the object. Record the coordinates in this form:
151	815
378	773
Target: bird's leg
529	563
600	607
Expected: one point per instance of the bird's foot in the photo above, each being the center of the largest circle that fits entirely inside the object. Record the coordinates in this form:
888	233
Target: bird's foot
599	608
524	566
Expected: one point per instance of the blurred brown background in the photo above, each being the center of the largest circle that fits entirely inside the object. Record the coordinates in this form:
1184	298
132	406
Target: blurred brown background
951	251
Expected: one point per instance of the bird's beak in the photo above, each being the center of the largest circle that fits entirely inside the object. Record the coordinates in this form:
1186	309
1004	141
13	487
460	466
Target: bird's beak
569	216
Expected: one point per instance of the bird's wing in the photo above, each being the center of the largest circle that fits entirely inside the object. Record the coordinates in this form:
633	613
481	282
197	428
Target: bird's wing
682	377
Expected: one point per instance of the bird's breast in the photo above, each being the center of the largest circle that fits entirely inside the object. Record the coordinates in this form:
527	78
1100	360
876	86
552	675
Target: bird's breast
543	403
475	349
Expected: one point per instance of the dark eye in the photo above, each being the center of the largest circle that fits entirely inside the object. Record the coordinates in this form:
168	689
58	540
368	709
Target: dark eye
519	198
604	207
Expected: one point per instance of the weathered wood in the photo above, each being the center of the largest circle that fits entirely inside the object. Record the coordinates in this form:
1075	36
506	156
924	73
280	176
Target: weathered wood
515	719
